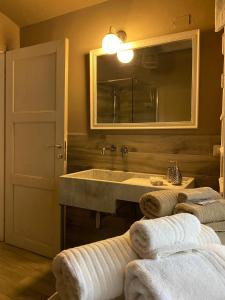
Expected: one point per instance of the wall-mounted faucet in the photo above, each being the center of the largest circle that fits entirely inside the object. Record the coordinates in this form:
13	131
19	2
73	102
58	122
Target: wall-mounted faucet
124	150
103	148
111	148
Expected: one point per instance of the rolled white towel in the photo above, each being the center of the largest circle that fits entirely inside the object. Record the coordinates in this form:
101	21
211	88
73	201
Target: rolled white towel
197	275
158	203
198	194
95	271
208	236
163	236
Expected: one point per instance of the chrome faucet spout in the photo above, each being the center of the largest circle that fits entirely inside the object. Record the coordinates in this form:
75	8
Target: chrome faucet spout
103	150
111	148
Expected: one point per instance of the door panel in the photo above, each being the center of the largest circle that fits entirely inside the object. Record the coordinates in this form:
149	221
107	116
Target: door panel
31	198
39	94
33	145
36	132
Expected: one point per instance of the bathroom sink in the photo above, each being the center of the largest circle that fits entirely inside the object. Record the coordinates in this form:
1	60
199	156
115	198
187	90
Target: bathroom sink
98	189
101	175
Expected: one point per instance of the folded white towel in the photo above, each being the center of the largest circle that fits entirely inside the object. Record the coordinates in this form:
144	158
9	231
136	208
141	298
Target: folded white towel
214	212
197	275
158	237
206	236
198	194
95	271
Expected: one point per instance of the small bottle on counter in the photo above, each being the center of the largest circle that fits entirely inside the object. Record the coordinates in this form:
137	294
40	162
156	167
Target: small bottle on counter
173	174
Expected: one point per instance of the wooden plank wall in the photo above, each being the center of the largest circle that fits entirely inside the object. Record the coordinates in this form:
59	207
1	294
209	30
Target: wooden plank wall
148	153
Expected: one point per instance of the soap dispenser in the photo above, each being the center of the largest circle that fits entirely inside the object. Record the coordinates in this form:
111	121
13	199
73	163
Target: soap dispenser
173	174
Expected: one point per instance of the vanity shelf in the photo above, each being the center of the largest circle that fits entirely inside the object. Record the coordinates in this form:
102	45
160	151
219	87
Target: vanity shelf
99	190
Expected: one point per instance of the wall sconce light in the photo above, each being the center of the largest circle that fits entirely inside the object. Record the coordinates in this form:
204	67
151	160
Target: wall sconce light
112	41
125	56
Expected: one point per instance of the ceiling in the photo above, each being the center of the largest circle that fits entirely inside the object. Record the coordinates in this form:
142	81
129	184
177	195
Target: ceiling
27	12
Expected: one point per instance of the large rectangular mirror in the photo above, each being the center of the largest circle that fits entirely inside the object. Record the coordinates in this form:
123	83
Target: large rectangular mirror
157	89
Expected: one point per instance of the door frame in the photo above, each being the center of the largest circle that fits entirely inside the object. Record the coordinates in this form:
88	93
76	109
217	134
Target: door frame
2	145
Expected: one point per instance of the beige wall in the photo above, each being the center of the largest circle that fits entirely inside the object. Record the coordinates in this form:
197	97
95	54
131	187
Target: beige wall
140	19
9	33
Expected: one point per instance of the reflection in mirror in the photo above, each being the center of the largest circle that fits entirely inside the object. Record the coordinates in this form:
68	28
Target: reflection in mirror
157	89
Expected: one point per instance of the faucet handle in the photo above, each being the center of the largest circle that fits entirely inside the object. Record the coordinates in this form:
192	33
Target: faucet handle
124	150
113	148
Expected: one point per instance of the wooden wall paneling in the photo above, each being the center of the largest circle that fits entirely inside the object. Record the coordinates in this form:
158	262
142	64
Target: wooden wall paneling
189	144
149	154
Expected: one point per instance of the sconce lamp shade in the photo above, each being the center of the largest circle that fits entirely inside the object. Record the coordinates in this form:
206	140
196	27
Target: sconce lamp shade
125	56
111	43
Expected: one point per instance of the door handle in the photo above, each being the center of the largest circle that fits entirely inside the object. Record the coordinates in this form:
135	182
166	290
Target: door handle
56	146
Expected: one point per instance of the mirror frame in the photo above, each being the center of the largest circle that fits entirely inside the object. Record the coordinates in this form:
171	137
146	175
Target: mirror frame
193	35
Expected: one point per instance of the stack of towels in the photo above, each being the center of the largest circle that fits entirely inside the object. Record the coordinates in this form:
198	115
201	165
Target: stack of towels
179	258
170	257
173	257
204	203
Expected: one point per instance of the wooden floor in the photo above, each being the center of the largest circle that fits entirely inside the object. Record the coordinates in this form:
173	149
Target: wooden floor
24	275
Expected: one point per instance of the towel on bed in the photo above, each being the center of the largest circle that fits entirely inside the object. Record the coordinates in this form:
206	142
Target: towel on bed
197	275
164	236
158	204
198	194
94	271
213	212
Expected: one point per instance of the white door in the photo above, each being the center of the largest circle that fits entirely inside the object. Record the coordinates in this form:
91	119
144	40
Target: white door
36	108
2	142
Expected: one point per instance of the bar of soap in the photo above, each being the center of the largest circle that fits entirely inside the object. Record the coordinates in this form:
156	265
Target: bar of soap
157	182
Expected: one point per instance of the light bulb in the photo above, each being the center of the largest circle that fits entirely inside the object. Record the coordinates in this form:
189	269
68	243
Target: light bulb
125	56
111	43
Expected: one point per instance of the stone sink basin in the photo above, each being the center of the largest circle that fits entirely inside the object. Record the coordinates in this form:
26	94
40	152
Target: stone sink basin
98	190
